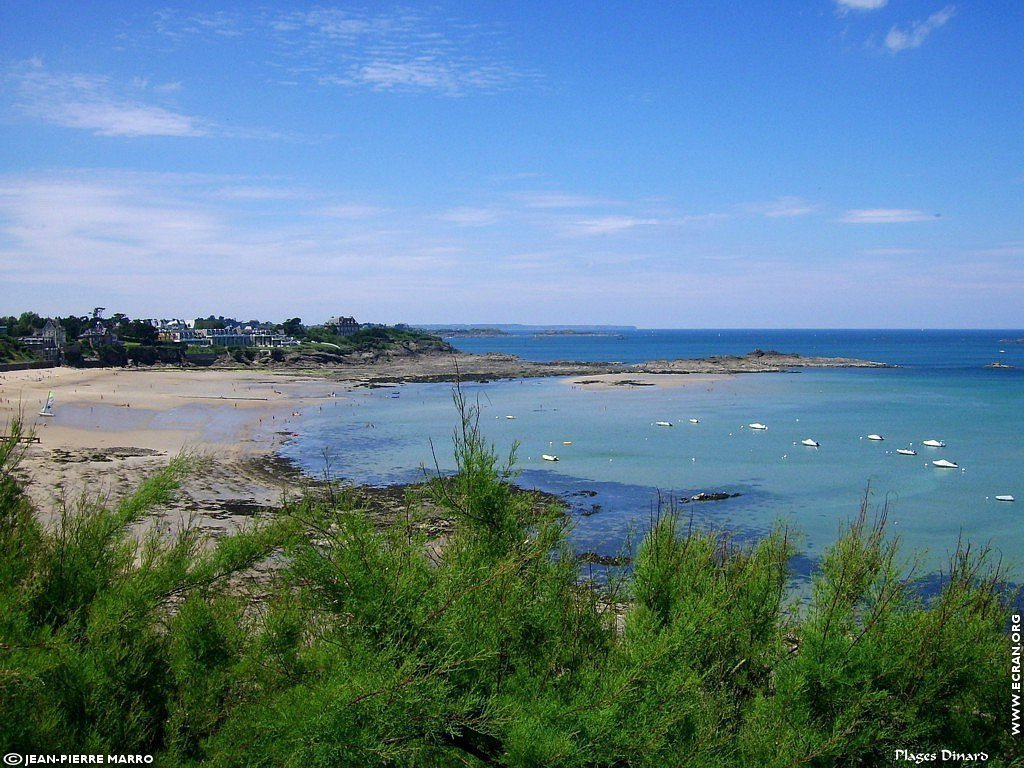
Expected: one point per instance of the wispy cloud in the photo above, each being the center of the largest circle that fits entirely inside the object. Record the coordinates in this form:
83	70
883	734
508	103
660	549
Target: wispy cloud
178	25
783	207
901	39
844	6
405	50
566	200
468	216
894	252
95	103
605	225
885	216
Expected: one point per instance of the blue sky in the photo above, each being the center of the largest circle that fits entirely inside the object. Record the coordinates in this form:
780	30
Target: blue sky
821	163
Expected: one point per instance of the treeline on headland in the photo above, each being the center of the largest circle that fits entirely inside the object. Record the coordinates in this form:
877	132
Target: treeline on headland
119	340
316	638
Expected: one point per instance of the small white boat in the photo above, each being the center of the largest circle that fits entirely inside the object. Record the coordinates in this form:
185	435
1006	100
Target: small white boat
47	409
757	425
875	437
906	451
663	423
810	443
567	442
934	443
548	457
1004	498
944	464
695	421
510	417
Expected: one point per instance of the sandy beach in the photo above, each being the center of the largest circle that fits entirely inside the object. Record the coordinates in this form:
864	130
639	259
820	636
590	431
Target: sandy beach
112	427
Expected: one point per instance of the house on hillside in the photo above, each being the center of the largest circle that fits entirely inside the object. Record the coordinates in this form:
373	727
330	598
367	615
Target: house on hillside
48	342
99	335
342	326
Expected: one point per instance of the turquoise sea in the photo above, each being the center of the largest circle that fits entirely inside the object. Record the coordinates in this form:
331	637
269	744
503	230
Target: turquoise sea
620	464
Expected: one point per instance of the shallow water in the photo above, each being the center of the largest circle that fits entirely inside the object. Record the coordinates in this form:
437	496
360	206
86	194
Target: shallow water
377	437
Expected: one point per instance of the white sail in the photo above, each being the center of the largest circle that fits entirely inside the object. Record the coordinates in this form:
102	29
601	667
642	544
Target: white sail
47	409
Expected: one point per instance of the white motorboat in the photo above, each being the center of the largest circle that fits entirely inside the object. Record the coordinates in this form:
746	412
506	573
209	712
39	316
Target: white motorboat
944	464
663	423
757	425
906	451
1004	498
548	457
695	421
934	443
810	443
875	437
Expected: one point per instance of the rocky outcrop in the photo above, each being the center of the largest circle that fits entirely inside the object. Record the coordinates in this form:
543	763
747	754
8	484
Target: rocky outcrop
758	361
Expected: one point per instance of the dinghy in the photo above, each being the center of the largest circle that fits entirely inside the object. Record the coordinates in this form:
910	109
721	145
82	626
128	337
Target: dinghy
47	410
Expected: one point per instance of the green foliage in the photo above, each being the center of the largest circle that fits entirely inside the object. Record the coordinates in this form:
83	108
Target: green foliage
380	646
13	351
373	339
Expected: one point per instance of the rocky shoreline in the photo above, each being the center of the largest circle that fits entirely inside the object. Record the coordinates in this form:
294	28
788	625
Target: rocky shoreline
428	367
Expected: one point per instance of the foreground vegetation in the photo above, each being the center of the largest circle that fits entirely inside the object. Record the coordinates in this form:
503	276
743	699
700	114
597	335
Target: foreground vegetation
366	647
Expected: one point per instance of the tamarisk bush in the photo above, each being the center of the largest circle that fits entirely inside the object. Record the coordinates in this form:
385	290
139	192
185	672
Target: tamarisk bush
375	645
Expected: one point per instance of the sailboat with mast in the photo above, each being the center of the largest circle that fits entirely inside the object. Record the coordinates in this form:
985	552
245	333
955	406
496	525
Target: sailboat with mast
47	409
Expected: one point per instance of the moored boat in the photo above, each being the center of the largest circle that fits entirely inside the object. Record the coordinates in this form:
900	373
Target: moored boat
906	451
548	457
934	443
944	464
810	443
757	425
875	437
1006	497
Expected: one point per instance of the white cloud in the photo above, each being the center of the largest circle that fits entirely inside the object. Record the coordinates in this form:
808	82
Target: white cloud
900	40
562	200
92	103
783	207
896	252
605	225
859	5
467	216
351	211
404	50
884	216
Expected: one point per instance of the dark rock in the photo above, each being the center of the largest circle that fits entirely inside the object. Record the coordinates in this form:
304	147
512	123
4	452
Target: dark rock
712	496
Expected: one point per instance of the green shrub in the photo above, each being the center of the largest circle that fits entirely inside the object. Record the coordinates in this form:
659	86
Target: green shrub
364	646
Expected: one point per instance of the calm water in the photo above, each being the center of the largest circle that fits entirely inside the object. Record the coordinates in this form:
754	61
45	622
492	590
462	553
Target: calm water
942	390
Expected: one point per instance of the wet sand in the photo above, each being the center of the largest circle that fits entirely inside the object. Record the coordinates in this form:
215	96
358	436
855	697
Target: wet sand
113	427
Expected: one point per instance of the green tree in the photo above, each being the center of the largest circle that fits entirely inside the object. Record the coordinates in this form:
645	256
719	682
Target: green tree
293	327
27	323
74	326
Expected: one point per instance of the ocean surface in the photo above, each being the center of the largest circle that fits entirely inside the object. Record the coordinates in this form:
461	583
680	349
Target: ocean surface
616	466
